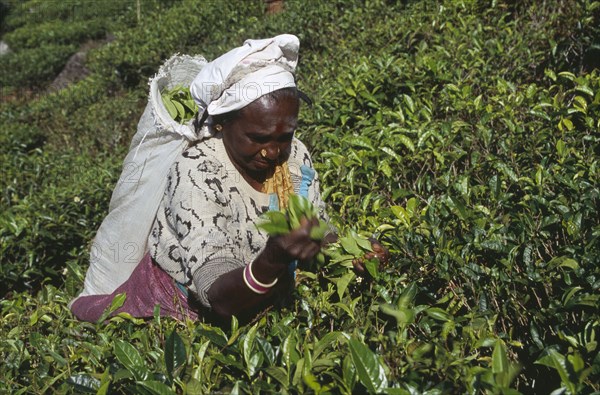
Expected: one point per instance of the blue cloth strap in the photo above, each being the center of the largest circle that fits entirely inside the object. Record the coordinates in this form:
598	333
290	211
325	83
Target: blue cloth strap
308	175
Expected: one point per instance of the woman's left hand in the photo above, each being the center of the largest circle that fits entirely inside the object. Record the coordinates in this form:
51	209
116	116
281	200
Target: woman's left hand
379	252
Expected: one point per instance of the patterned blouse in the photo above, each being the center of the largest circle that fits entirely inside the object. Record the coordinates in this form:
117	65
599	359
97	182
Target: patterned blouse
205	225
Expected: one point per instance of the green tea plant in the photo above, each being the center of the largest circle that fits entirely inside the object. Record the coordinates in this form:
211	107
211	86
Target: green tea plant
34	67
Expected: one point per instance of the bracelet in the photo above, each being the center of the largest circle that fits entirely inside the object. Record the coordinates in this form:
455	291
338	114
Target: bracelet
255	285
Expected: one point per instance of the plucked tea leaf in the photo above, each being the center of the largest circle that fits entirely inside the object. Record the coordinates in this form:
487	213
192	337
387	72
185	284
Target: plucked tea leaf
319	232
274	223
179	103
170	106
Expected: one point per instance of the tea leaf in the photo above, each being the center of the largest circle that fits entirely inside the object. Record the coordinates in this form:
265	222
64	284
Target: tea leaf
175	353
156	387
370	372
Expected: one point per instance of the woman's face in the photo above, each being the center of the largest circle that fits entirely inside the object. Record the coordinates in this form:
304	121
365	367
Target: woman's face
265	126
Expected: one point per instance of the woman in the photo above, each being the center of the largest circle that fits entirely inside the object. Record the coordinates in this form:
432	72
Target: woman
204	245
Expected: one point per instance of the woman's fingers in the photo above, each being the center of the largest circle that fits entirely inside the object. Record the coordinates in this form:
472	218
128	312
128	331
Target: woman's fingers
379	251
298	244
358	266
307	252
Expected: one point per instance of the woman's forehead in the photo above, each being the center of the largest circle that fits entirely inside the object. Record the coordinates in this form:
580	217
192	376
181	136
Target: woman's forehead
267	105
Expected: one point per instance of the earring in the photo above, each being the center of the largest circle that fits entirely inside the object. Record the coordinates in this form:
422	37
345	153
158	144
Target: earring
278	151
218	127
263	153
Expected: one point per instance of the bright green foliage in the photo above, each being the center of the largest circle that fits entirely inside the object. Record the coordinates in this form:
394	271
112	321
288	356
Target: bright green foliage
463	134
283	222
348	249
343	252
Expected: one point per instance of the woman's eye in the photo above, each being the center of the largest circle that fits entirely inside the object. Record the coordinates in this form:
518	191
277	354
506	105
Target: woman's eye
259	139
286	138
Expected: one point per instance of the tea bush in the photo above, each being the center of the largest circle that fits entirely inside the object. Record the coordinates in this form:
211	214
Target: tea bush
67	194
54	33
43	35
34	67
463	134
138	52
33	13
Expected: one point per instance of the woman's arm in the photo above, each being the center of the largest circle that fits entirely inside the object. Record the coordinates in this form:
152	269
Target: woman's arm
229	295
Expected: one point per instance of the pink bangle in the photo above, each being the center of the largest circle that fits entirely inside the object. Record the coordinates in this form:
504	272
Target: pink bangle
255	285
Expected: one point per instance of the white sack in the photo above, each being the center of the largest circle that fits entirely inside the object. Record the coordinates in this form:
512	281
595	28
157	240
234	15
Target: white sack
121	241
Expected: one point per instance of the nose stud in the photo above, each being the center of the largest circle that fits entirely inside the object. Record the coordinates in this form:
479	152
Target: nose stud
263	152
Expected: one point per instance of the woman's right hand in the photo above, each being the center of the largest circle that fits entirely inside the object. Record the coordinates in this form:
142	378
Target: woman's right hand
295	245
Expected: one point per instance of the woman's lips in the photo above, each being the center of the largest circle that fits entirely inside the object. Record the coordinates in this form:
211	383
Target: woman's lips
263	164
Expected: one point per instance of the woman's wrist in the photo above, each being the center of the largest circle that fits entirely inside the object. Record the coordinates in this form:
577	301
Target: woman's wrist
269	264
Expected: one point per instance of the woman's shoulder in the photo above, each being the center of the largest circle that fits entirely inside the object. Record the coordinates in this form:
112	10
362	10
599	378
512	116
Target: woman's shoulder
203	156
299	153
200	168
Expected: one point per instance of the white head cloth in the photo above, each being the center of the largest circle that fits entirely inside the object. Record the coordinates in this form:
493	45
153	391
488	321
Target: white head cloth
242	75
228	83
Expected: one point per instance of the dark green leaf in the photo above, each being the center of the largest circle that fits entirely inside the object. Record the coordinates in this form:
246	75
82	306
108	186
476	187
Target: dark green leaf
156	387
84	383
175	353
370	371
438	314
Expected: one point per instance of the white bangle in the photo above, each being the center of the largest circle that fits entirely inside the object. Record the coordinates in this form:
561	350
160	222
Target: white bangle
258	282
255	285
